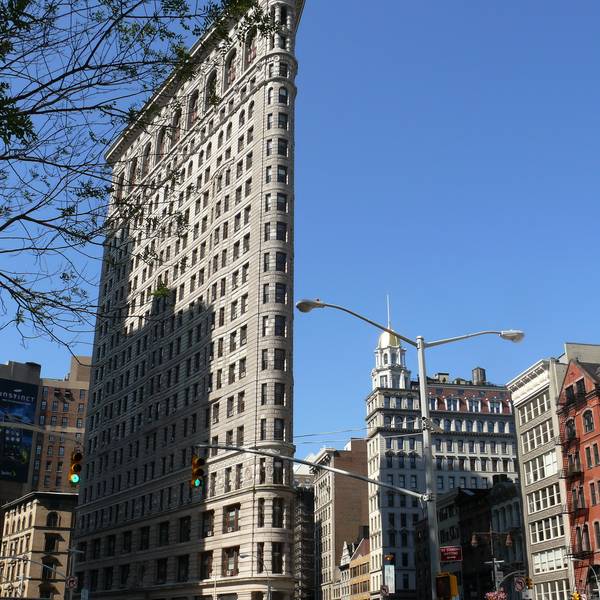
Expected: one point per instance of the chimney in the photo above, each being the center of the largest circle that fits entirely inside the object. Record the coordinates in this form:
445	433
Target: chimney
479	376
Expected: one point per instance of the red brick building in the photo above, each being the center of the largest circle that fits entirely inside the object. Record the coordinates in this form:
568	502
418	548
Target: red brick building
579	413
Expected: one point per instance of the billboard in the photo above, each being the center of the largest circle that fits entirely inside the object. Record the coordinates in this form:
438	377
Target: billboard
17	405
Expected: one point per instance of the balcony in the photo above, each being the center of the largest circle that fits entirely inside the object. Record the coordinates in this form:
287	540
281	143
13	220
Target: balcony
569	437
570	473
579	552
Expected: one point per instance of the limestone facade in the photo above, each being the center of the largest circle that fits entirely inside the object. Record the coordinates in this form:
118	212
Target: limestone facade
196	346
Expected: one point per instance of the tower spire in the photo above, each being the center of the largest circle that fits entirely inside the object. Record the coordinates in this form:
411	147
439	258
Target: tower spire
389	322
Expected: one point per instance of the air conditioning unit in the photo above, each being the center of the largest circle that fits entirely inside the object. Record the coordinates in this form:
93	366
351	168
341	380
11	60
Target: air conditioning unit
230	572
229	529
208	534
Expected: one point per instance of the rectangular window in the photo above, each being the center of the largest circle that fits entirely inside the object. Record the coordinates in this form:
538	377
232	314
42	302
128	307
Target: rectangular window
206	565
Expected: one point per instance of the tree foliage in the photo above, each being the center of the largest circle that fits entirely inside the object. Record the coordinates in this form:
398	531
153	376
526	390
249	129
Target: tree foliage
73	74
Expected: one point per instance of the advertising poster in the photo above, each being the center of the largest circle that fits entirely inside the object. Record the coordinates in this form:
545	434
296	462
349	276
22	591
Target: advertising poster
17	405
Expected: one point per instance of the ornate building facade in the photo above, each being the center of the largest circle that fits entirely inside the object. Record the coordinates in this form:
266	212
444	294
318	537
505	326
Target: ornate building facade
195	340
475	440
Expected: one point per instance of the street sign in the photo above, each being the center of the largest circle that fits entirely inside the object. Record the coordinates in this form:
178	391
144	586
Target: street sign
85	595
520	583
450	554
71	582
384	591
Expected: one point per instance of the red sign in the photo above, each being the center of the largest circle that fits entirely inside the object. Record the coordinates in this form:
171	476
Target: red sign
450	553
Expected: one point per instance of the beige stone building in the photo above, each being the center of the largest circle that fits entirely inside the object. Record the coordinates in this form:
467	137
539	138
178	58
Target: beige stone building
473	442
360	572
211	360
36	536
341	512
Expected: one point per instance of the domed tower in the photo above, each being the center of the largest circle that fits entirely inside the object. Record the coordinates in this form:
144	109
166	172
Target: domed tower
390	364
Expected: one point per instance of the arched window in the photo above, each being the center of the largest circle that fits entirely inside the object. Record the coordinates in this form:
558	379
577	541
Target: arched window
480	426
210	93
230	74
160	144
176	127
447	425
52	519
283	15
393	358
585	538
242	119
220	140
133	171
385	359
250	47
119	189
458	425
193	109
146	159
228	132
208	151
270	96
490	427
283	95
201	157
250	110
588	421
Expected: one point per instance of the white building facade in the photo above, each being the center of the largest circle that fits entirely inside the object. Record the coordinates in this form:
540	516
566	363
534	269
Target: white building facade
477	443
535	399
195	340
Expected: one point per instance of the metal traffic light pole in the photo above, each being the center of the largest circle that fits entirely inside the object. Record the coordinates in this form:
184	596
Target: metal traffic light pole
389	486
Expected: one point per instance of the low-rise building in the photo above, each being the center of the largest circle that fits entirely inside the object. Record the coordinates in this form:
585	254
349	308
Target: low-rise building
36	536
579	414
487	525
360	572
304	534
535	396
340	510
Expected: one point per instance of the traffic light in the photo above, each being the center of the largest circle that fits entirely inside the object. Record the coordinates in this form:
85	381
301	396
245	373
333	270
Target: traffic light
529	583
197	471
446	586
75	468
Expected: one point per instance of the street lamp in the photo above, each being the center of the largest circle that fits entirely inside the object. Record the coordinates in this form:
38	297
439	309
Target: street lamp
494	562
262	563
420	344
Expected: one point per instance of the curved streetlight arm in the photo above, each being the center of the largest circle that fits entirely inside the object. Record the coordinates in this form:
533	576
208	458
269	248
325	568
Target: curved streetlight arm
319	304
35	562
458	338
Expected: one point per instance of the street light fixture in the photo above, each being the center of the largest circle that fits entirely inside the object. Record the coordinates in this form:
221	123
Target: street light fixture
513	335
262	563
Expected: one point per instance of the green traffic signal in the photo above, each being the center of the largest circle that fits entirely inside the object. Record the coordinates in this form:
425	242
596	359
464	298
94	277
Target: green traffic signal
196	483
74	478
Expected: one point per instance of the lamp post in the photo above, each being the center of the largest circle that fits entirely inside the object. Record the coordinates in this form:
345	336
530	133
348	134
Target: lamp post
494	562
421	345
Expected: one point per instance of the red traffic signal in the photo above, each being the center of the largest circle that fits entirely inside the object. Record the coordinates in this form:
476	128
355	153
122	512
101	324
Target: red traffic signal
197	471
75	468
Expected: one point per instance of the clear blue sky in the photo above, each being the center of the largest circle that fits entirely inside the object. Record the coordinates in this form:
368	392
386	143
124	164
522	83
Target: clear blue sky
447	153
